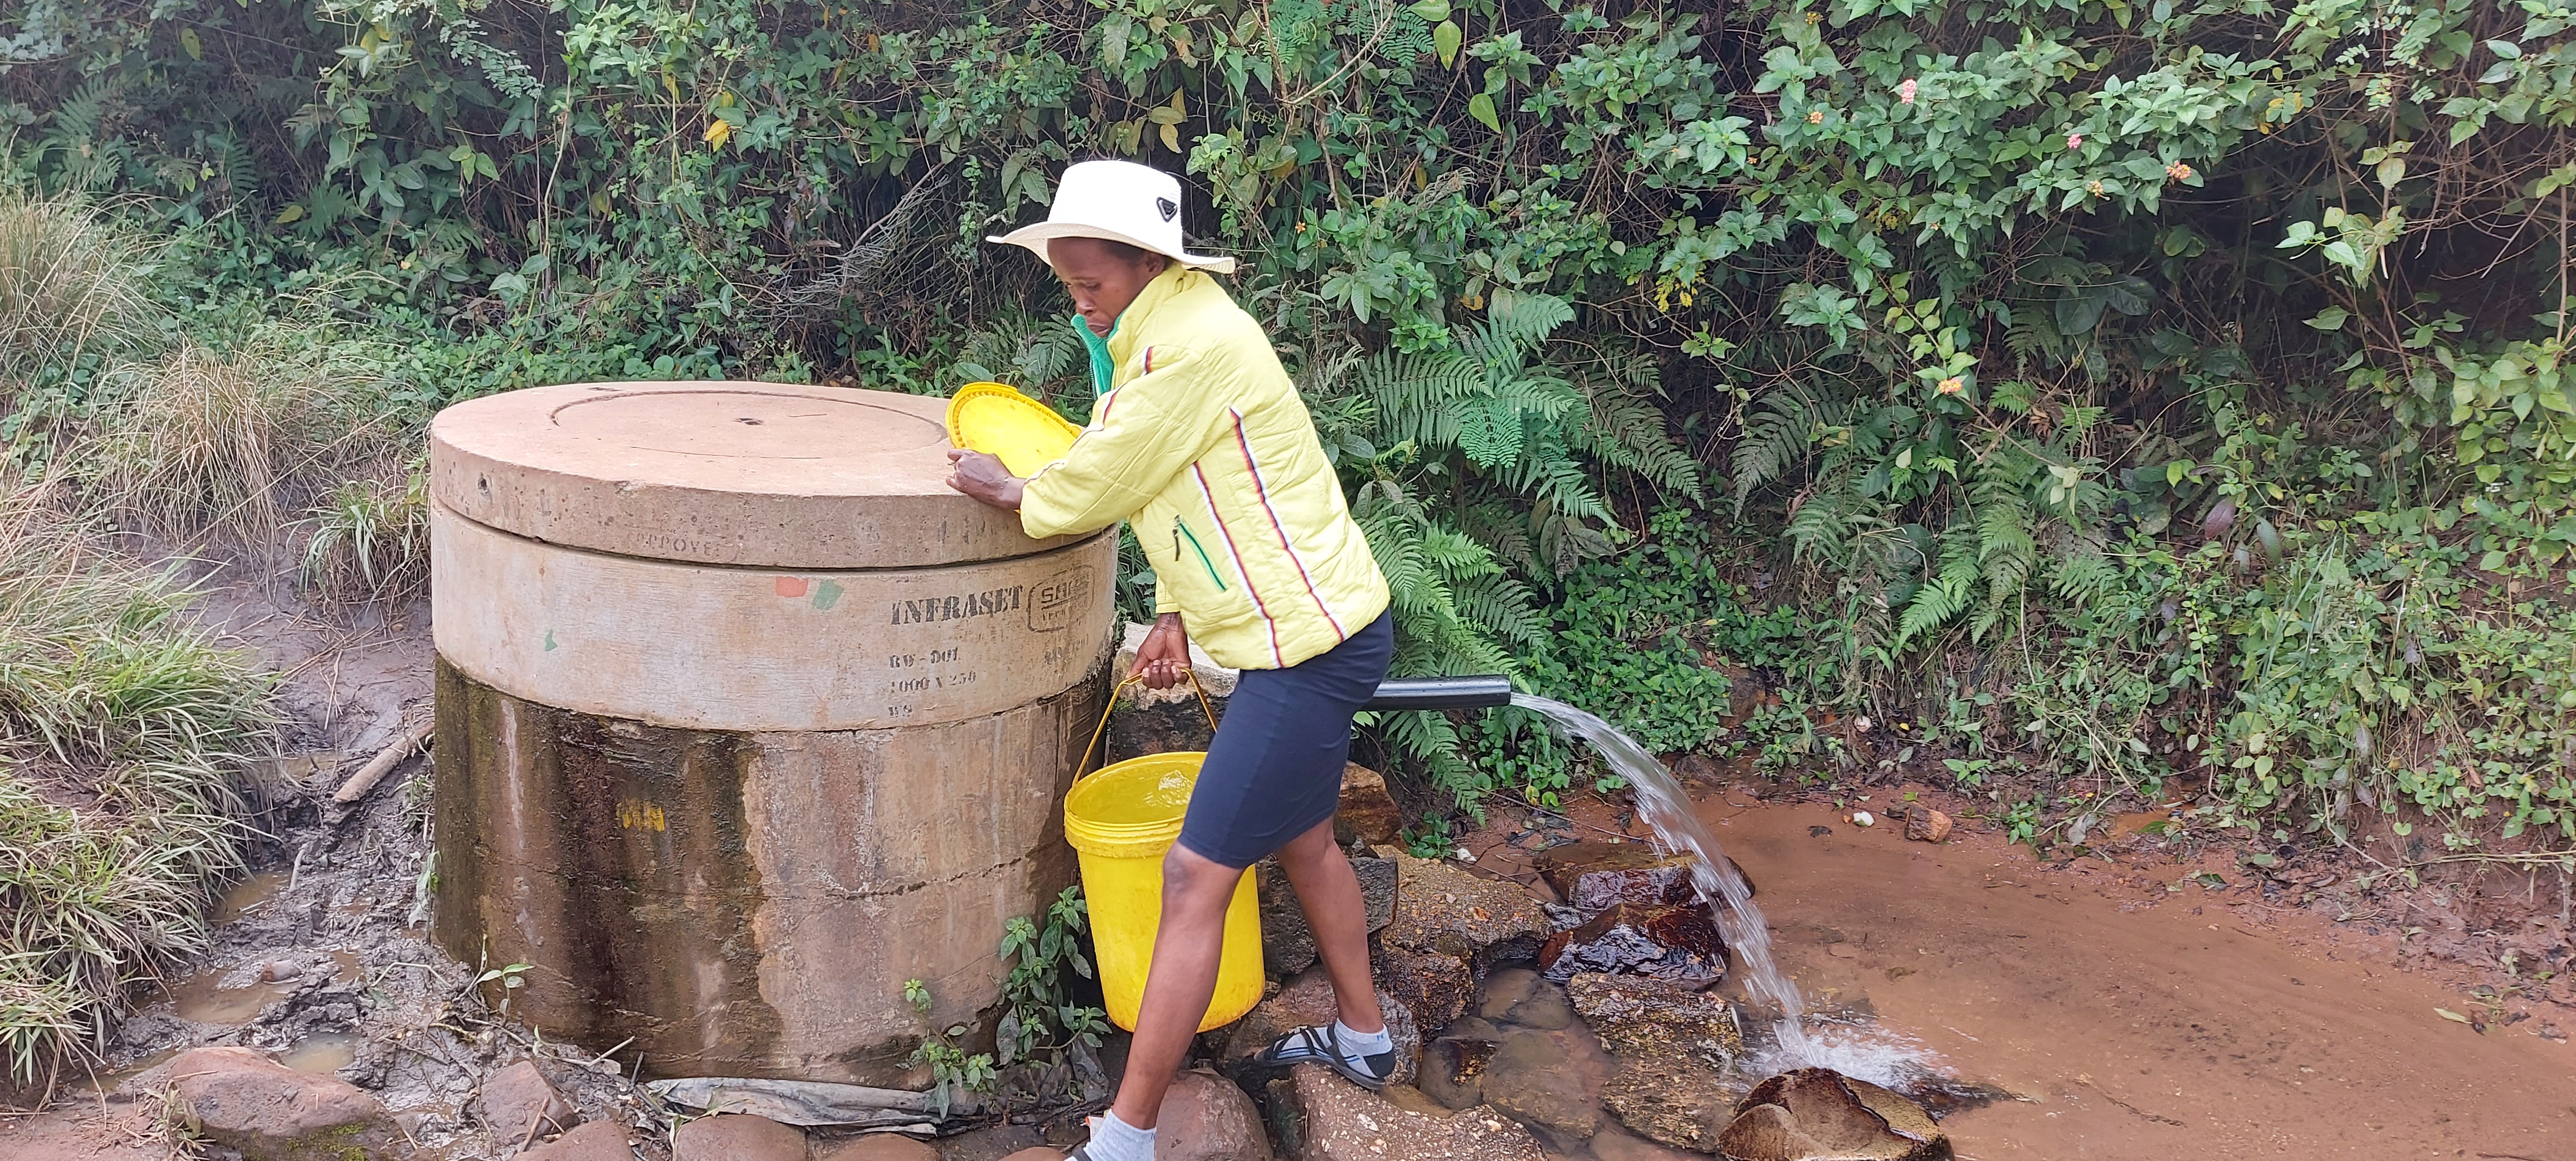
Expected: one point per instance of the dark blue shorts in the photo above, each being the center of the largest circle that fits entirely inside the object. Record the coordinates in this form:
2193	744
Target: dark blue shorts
1275	768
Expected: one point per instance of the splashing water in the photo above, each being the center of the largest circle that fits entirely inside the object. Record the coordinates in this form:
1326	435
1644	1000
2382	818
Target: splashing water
1665	808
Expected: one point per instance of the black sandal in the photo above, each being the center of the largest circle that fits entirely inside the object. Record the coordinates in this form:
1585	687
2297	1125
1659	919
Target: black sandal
1320	1045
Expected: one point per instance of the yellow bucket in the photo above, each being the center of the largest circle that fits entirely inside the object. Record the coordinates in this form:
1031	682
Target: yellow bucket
996	418
1121	821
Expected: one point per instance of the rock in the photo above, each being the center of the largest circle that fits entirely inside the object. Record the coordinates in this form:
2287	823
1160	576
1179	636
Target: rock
1433	985
1160	721
266	1111
1594	876
596	1141
1612	1145
1038	1154
1503	991
1287	943
1926	825
994	1143
1544	1008
736	1137
1206	1118
1484	922
1368	813
1321	1117
1817	1114
520	1097
1679	1102
1528	1080
1658	1020
876	1147
1675	943
1453	1070
1308	999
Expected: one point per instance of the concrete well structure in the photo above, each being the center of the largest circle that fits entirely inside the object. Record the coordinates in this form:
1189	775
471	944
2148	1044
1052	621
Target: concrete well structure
745	718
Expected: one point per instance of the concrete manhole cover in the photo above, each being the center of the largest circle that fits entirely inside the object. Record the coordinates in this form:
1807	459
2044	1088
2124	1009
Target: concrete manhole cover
745	425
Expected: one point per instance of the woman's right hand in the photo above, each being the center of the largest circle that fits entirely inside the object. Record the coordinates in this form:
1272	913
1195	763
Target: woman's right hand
1163	658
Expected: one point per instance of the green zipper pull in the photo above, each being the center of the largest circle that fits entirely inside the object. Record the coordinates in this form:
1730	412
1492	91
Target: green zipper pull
1181	530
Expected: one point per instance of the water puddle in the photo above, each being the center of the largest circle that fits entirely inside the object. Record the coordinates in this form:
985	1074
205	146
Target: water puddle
238	993
204	999
322	1052
248	895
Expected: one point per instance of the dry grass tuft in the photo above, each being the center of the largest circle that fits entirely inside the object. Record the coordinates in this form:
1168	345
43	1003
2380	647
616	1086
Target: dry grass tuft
238	443
70	282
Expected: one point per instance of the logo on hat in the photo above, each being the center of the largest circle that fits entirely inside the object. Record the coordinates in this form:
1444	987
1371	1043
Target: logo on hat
1168	209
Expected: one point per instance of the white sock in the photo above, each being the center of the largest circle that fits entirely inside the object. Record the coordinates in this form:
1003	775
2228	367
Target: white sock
1357	1046
1116	1140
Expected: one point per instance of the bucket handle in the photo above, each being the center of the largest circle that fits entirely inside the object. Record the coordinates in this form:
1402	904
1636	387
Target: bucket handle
1096	731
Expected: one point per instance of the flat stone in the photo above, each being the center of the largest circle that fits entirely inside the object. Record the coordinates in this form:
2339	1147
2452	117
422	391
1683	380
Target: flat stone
1318	1116
1504	990
266	1111
736	1137
875	1147
1453	1070
519	1100
1433	985
1594	876
1817	1114
1544	1008
1679	1102
1675	943
1656	1019
995	1143
1308	1000
1368	813
83	1133
1206	1118
1528	1079
1287	941
596	1141
1610	1144
1485	922
1041	1153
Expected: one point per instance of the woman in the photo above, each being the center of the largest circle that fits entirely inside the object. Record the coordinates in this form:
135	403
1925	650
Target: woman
1199	440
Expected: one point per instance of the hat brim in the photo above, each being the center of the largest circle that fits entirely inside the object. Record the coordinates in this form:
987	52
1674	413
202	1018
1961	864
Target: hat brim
1034	238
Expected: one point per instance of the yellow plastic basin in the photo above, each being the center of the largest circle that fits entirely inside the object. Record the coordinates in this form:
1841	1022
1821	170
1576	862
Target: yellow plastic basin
1120	822
996	418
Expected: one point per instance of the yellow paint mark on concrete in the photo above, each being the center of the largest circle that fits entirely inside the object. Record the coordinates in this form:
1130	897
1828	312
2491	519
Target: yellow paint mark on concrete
636	813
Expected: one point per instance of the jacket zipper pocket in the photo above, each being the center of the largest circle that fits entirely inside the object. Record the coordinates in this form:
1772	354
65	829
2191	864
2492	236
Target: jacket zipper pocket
1181	531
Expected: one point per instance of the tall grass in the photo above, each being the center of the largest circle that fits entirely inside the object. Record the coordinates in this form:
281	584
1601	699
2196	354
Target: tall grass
71	286
123	731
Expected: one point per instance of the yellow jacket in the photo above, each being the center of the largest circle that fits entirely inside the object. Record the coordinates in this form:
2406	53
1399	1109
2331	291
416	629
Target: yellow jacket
1202	443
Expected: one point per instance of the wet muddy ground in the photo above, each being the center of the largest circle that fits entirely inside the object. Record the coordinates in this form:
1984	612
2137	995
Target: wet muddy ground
2134	1009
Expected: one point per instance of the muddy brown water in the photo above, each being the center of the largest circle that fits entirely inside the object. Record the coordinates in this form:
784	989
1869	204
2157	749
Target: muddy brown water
2133	1026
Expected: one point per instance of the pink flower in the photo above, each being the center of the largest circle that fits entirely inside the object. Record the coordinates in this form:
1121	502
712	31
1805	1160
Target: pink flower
2178	171
2075	141
1905	91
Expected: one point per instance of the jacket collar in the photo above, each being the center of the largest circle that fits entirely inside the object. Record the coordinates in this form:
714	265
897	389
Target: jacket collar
1133	322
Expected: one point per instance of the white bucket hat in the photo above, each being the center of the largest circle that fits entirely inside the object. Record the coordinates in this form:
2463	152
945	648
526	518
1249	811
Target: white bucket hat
1122	202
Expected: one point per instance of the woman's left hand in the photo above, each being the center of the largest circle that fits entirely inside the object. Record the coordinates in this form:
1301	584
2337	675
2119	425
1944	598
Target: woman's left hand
982	476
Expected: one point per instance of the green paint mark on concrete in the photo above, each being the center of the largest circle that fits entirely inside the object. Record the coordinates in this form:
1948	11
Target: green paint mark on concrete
550	640
826	595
